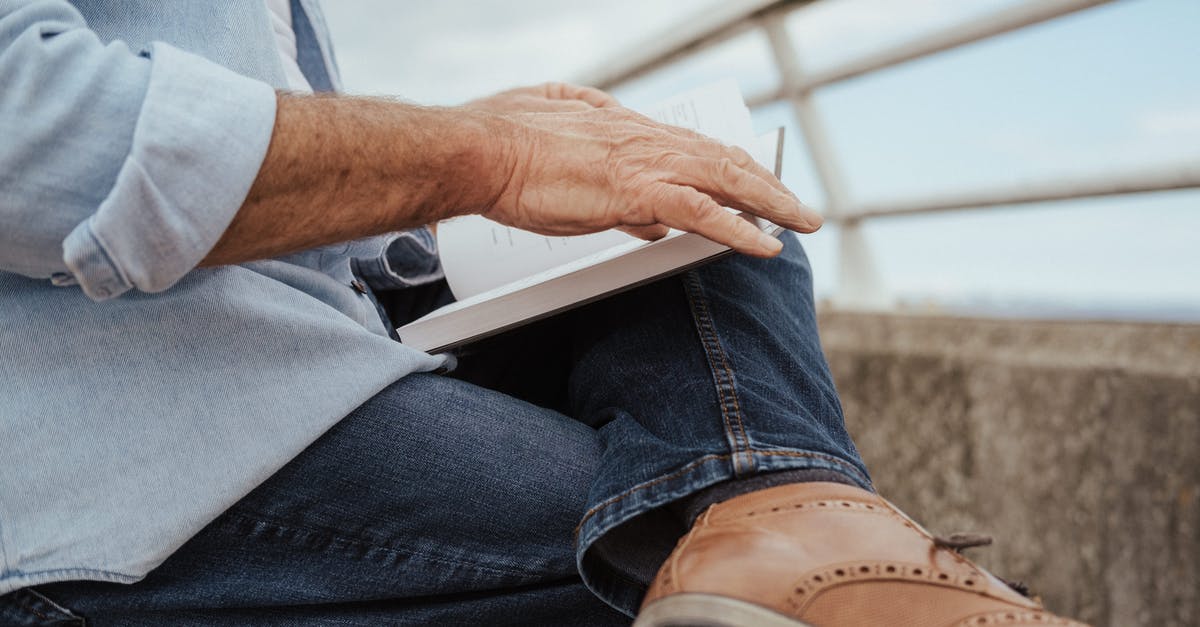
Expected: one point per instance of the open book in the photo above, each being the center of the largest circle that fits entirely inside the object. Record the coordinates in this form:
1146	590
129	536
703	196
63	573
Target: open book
505	277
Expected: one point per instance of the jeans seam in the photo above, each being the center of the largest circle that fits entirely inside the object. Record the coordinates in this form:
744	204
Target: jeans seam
29	607
359	542
821	456
595	509
39	577
712	351
24	604
630	492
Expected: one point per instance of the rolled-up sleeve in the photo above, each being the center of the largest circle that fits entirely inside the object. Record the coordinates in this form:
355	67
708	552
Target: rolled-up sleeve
118	170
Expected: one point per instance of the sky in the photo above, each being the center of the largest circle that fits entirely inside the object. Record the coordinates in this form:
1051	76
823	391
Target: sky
1107	90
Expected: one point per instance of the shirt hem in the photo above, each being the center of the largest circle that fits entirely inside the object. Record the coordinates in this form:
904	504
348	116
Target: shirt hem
16	581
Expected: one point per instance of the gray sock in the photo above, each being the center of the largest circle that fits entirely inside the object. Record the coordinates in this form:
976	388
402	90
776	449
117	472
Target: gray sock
689	508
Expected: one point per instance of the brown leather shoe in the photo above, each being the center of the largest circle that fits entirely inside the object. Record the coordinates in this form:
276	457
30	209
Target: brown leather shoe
827	555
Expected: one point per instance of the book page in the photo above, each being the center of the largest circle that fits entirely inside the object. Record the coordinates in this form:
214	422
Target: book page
716	110
479	255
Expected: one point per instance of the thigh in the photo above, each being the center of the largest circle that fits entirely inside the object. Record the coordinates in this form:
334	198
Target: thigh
435	498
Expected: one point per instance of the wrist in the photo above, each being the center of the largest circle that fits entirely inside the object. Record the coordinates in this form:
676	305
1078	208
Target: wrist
479	159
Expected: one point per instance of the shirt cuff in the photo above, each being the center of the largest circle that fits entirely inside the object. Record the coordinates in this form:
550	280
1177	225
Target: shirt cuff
402	259
199	142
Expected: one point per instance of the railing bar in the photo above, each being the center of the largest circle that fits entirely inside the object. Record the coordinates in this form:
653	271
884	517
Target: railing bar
1186	176
983	27
816	139
956	35
755	101
859	282
724	21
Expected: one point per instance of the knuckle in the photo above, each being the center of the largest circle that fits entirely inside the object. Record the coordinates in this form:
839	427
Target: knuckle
637	213
669	160
662	195
644	202
700	207
656	196
614	115
727	169
740	156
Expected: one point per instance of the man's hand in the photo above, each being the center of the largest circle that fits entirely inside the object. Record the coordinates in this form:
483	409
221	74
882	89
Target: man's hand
559	98
554	159
545	98
630	173
599	168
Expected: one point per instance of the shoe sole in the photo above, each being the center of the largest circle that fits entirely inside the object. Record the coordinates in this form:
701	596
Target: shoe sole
693	609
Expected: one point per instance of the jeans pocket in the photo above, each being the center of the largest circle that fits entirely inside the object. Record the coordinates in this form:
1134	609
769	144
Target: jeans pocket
29	608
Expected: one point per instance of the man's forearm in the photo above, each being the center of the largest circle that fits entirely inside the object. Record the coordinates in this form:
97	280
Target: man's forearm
341	168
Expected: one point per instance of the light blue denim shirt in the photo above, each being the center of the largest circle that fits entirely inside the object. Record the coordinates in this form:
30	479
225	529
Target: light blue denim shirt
140	396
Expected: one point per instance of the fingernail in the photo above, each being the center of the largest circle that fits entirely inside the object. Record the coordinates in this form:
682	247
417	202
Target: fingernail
810	216
769	244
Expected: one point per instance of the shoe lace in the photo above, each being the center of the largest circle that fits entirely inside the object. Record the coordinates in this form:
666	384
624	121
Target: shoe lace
958	542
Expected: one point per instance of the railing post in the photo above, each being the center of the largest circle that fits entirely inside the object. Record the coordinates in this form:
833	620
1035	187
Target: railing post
859	284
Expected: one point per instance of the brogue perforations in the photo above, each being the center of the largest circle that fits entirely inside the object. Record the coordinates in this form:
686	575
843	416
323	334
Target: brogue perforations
811	584
1014	617
818	506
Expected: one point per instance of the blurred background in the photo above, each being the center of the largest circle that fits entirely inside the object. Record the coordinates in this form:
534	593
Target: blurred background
1010	267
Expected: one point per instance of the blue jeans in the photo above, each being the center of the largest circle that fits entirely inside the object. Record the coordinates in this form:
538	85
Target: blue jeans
526	488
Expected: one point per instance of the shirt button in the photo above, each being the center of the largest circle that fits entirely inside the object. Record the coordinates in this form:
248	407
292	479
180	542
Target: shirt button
358	286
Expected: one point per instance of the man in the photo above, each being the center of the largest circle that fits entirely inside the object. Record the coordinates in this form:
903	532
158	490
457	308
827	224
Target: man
205	420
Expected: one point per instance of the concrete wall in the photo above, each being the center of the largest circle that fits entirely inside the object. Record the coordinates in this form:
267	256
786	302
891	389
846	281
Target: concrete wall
1076	444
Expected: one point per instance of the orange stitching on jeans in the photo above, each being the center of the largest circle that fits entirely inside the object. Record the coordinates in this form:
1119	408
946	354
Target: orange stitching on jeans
701	317
737	408
618	498
712	345
20	596
613	500
729	373
829	458
236	518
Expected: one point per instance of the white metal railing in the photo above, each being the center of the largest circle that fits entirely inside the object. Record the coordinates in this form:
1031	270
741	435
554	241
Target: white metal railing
859	284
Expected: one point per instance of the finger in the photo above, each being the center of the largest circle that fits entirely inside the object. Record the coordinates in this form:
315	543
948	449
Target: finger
742	159
560	106
686	209
536	103
648	232
704	146
807	213
595	97
733	186
590	95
